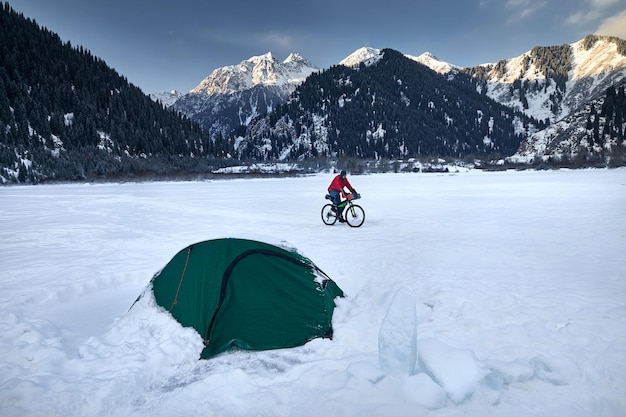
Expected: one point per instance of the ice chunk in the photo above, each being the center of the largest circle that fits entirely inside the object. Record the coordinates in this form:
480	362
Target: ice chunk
397	339
456	370
422	390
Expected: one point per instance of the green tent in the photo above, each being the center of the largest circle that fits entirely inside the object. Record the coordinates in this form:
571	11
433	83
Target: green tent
246	294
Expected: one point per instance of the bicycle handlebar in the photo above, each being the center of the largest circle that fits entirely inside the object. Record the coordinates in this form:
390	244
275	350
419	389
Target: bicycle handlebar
353	196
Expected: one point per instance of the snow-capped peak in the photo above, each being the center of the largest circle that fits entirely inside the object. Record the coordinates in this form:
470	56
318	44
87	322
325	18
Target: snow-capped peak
255	60
257	70
365	54
432	62
369	56
297	58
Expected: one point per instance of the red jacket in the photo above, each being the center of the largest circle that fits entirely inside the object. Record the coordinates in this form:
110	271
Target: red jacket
338	184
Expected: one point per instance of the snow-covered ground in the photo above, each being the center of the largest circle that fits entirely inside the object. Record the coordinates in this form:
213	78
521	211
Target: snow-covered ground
475	294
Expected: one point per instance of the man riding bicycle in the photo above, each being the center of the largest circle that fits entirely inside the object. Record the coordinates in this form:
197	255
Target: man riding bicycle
336	190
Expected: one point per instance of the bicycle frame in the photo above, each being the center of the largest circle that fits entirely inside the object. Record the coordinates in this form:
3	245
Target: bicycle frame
343	205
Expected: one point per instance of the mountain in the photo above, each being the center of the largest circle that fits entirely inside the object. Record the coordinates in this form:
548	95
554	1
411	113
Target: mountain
66	115
546	83
390	106
234	95
560	85
368	55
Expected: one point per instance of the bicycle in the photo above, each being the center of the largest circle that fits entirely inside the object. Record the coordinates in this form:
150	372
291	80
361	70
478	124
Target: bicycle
353	214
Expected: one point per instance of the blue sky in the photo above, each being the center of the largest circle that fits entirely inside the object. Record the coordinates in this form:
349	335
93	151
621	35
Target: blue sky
162	45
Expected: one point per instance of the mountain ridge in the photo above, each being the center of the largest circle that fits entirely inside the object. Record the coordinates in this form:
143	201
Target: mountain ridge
393	107
551	82
66	115
258	70
546	83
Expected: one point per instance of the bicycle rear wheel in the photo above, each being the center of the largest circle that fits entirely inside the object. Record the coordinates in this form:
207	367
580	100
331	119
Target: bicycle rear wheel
355	215
329	216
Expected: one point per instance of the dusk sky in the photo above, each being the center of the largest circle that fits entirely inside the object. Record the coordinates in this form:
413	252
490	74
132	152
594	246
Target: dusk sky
163	45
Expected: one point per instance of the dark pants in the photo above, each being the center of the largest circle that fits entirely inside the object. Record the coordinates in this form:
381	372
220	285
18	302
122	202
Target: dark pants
335	197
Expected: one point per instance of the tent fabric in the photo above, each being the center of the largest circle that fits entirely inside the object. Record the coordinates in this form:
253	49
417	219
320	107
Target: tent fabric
246	294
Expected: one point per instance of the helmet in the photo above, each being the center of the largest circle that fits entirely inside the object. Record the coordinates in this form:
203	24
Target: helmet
343	173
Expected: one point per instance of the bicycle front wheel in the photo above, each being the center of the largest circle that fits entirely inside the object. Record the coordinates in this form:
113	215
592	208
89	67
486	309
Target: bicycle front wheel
355	215
329	216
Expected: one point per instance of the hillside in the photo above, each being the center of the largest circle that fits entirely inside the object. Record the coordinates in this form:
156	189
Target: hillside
65	115
593	135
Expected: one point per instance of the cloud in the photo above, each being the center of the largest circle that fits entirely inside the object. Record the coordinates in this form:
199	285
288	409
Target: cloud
602	3
525	8
591	12
276	40
613	26
582	18
269	41
517	3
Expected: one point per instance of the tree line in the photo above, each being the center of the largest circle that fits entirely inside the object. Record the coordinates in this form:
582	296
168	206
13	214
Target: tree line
608	123
64	114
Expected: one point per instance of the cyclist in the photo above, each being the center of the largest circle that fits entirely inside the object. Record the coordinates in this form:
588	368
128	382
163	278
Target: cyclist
336	190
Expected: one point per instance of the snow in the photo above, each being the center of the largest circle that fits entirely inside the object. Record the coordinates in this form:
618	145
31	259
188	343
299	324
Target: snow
603	56
258	70
367	55
167	98
264	168
370	56
593	70
433	63
503	293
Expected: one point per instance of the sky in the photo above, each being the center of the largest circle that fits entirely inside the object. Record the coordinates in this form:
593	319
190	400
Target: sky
164	45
